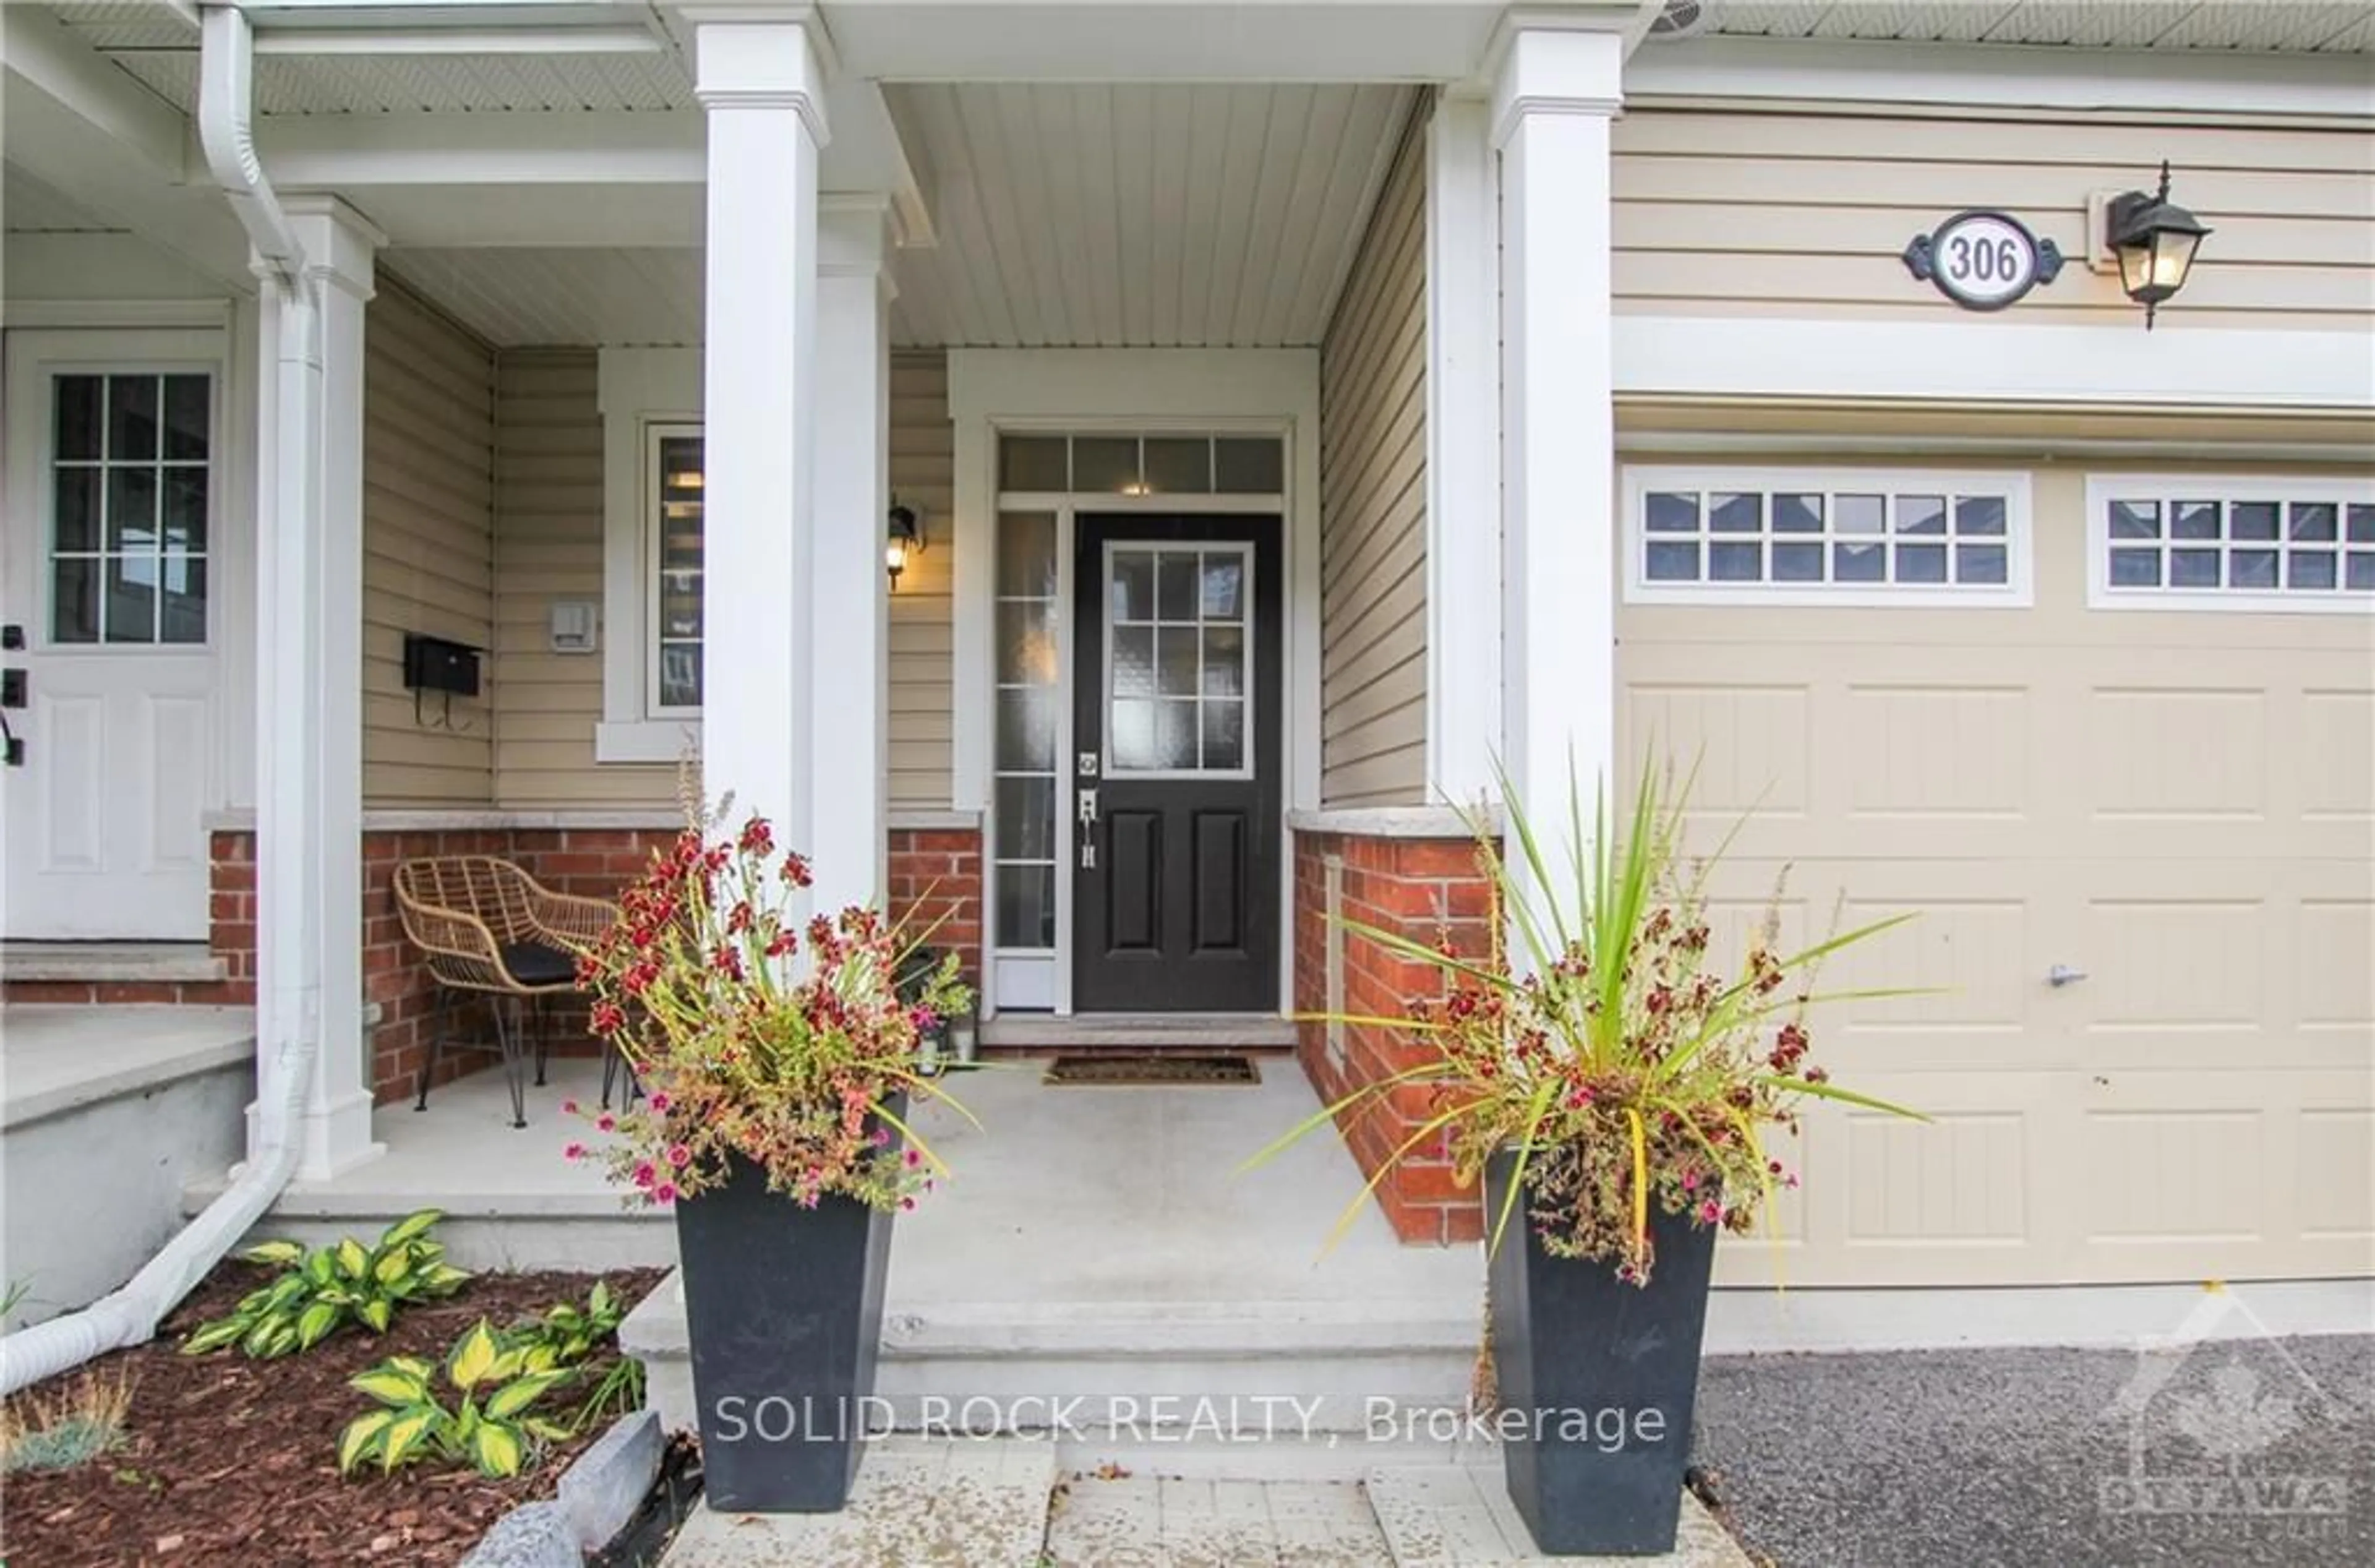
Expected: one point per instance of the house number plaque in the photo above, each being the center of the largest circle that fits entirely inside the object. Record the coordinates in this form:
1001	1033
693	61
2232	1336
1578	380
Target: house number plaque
1983	261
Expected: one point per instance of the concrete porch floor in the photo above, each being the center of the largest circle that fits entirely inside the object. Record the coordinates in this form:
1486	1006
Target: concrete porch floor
1113	1222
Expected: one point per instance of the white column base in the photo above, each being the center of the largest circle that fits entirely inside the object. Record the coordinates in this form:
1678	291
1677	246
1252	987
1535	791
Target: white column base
333	1137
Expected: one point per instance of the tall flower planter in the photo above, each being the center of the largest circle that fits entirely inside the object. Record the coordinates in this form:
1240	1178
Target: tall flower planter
1598	1380
783	1306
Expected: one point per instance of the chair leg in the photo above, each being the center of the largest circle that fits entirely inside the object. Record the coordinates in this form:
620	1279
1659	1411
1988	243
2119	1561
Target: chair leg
609	1072
543	1036
441	999
508	1026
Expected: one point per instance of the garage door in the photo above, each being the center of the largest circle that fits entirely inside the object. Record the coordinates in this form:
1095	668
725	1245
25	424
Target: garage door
2116	731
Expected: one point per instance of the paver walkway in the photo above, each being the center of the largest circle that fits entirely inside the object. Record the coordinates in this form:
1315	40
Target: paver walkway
923	1503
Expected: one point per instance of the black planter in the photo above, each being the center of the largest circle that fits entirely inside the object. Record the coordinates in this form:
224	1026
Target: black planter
784	1305
1598	1380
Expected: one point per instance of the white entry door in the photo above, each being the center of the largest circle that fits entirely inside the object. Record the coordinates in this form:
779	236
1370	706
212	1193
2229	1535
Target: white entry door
109	587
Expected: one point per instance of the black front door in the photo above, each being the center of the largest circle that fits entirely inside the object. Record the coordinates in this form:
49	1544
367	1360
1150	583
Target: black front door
1175	735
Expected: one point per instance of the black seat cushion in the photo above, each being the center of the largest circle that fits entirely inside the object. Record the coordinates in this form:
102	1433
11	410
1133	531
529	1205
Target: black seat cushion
539	963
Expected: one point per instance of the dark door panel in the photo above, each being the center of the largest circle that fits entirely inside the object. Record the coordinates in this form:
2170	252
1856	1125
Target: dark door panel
1178	682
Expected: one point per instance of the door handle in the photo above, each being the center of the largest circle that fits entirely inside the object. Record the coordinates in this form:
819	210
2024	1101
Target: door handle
1088	799
1088	834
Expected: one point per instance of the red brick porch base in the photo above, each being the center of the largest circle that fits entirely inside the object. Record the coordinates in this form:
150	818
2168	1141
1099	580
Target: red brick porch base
1425	890
935	874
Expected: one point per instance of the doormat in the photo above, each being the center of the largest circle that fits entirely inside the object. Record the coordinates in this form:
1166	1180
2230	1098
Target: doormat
1167	1067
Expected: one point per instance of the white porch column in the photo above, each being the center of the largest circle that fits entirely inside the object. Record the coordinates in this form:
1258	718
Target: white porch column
1463	457
1552	106
308	664
763	88
850	610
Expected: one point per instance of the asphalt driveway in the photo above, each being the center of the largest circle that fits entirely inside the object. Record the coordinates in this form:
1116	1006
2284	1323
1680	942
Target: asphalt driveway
2246	1452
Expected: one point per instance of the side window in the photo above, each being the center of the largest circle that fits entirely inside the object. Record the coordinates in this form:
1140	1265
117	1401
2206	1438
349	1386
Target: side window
675	528
128	531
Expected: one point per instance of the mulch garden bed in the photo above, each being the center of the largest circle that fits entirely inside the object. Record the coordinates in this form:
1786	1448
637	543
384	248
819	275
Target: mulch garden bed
231	1463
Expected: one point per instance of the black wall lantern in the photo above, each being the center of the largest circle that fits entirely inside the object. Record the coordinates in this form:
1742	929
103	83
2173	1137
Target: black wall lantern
2154	241
906	539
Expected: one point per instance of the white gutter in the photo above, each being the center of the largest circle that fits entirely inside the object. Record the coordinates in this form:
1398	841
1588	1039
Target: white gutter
130	1316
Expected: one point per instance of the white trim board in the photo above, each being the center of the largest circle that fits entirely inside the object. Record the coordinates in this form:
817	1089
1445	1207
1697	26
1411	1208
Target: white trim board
1990	361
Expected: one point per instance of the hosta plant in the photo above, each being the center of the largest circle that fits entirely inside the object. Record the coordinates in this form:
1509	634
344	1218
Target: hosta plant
319	1291
565	1335
483	1414
1599	1038
759	1034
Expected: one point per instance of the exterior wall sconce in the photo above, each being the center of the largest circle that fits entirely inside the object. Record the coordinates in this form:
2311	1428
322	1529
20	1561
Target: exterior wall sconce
906	539
2154	241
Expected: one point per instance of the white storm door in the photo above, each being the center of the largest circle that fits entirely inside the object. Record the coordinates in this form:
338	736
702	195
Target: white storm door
111	580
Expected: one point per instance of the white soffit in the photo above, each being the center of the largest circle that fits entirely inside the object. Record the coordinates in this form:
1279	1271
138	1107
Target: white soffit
526	295
2229	25
161	52
1157	216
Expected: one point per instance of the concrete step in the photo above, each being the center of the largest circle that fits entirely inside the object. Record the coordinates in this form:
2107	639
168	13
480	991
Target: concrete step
481	1230
150	963
1096	1374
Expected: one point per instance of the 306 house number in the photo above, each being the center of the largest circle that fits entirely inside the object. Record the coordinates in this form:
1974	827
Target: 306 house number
1983	261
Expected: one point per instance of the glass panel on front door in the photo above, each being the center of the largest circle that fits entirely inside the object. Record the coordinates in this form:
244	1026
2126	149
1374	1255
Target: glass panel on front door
1179	639
128	508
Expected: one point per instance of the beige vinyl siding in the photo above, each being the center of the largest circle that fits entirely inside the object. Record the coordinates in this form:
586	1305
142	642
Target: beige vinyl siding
548	491
427	547
1804	214
923	475
549	545
1372	507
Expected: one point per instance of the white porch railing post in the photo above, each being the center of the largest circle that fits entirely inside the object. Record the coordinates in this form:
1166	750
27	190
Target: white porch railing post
851	617
309	657
763	88
1554	97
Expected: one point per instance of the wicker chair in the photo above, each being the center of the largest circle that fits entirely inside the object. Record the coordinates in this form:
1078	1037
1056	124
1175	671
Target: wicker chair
488	929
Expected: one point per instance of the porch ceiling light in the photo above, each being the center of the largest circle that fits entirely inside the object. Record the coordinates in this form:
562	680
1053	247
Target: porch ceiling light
906	539
2155	240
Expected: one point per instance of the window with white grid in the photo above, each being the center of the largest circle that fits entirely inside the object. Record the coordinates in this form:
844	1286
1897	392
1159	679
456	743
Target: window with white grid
2188	541
1829	537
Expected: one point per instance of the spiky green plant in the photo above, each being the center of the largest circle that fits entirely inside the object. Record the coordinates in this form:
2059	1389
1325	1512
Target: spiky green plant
1591	1033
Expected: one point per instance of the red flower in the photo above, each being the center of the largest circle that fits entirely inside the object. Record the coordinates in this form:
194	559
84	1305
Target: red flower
796	871
609	1017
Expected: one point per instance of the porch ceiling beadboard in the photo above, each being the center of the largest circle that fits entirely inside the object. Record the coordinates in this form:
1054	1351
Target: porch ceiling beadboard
554	295
159	50
1101	216
2265	24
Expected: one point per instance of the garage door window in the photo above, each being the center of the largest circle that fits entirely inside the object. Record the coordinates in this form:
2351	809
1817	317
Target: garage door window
1835	537
2190	542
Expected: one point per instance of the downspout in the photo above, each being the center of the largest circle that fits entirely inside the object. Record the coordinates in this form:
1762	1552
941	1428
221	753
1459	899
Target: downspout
130	1316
